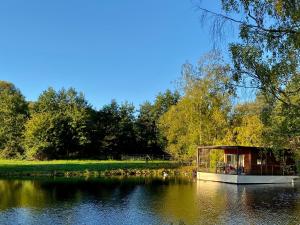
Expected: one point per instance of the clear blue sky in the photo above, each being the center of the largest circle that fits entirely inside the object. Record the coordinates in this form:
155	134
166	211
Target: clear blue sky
108	49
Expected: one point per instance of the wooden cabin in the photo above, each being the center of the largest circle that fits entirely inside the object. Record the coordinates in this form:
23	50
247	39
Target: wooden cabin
244	160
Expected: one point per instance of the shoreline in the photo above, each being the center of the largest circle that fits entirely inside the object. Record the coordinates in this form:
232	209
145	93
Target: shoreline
91	168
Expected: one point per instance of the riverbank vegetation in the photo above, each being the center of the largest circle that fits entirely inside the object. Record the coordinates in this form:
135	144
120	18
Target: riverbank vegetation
87	168
210	106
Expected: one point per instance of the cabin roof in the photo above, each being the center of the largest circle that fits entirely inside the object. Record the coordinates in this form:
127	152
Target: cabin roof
230	147
241	148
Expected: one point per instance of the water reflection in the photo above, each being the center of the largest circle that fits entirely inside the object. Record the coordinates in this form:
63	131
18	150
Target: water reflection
251	204
145	201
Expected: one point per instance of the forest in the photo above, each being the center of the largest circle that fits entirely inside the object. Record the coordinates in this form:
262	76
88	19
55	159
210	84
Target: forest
63	125
206	109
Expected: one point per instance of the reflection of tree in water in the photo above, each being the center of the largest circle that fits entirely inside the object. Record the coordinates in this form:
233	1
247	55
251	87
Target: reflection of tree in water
42	193
17	193
104	190
218	203
251	204
182	203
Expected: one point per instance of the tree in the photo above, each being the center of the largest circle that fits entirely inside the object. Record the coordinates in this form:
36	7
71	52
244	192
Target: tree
163	102
116	129
267	57
58	127
247	128
127	132
201	115
149	136
13	115
284	122
147	131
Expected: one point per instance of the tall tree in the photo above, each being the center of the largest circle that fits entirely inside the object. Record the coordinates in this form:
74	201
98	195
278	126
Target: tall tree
201	115
284	121
13	115
246	126
267	56
149	136
58	127
147	132
163	101
116	130
127	133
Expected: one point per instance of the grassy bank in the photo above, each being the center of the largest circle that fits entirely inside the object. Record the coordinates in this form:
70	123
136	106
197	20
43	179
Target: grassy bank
84	167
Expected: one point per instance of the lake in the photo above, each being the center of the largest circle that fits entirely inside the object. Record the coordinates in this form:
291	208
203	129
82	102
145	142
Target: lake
145	201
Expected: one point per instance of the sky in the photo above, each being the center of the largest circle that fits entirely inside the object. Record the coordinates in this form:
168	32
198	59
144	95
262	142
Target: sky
127	50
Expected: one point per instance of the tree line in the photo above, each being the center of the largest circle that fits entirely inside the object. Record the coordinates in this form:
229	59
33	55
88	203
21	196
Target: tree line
62	124
203	111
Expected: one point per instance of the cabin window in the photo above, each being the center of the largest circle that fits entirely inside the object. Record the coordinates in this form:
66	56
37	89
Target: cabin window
232	159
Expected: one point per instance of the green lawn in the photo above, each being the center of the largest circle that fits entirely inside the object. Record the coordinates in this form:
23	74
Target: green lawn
44	167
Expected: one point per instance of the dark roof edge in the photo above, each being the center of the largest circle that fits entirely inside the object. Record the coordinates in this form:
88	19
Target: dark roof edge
231	147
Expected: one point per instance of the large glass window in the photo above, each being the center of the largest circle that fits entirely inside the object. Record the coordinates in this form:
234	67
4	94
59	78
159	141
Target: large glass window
231	159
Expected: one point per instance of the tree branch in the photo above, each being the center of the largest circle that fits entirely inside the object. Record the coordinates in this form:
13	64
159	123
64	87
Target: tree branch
271	30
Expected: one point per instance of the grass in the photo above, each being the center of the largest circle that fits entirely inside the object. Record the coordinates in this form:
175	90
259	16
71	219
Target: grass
18	167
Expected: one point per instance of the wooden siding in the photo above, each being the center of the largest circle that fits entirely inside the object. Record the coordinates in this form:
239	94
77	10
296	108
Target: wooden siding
251	156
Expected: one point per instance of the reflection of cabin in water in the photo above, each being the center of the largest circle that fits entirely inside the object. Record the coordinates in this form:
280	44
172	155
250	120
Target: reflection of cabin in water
215	162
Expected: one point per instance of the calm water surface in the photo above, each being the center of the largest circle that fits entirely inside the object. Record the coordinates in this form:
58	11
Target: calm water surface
145	201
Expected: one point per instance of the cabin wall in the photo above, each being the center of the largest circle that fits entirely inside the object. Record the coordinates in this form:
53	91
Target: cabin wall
255	168
270	165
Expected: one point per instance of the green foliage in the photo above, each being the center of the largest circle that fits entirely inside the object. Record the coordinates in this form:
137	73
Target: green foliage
115	127
13	115
266	57
149	136
270	55
270	39
163	102
63	125
147	131
58	125
119	131
201	115
247	128
284	121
